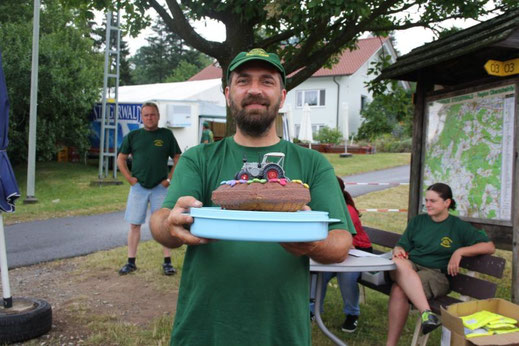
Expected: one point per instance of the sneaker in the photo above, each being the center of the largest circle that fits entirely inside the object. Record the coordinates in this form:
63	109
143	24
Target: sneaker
312	316
127	269
168	269
429	322
350	324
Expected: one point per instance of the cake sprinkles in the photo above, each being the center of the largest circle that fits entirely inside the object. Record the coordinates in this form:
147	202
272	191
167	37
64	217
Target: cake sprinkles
262	187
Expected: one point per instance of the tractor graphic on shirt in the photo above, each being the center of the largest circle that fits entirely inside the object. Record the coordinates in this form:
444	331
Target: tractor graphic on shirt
271	167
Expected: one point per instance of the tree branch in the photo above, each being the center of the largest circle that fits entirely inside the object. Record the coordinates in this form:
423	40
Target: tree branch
179	24
285	35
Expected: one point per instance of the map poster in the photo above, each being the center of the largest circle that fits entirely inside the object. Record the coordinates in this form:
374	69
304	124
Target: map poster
469	146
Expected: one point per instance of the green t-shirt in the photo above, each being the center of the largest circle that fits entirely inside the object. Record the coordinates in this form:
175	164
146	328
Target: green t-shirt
431	244
247	293
150	152
207	135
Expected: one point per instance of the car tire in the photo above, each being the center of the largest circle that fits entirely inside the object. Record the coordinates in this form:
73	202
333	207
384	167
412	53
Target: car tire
27	319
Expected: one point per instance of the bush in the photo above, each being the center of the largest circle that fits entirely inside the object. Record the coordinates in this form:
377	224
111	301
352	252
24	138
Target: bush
389	144
387	113
328	135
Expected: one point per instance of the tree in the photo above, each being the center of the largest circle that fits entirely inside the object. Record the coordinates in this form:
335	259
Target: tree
390	112
157	61
307	34
98	34
69	78
186	70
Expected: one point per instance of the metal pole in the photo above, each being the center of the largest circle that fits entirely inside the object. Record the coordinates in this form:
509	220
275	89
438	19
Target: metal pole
6	291
30	198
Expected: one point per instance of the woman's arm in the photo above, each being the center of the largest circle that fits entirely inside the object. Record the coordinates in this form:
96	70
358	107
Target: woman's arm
484	248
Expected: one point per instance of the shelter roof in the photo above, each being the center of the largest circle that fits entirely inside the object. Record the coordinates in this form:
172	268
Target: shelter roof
460	57
349	62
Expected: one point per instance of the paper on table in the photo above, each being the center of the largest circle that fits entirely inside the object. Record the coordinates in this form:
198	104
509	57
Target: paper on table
360	253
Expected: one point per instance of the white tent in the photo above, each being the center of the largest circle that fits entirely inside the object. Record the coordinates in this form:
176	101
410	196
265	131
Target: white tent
209	90
183	106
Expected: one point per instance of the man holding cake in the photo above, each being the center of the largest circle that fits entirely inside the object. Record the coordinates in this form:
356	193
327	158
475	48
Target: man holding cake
238	292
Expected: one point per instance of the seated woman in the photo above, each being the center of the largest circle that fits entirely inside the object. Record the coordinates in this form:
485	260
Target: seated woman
430	249
348	281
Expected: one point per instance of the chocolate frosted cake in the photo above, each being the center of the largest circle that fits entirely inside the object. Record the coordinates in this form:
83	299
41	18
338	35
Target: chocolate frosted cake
262	194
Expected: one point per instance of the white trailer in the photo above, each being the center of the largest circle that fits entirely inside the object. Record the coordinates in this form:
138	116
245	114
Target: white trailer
183	106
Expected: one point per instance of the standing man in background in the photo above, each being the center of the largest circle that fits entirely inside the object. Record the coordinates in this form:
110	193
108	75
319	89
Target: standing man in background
150	147
207	134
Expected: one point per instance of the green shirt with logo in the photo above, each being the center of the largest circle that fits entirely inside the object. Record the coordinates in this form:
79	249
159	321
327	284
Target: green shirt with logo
431	244
241	292
150	152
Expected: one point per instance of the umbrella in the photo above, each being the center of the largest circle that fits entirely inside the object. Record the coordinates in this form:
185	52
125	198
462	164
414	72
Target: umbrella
345	129
8	188
288	122
305	131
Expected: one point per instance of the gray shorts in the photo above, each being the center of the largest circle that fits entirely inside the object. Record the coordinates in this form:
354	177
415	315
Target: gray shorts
138	200
434	282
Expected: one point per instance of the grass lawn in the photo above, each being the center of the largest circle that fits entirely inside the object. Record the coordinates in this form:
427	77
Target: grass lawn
63	189
373	322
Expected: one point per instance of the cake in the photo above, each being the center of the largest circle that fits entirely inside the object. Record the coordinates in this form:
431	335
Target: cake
262	194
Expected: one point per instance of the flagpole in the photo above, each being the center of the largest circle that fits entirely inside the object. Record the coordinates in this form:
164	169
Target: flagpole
30	197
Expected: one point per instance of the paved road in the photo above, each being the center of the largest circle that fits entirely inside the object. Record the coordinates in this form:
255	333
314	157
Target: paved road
393	175
40	241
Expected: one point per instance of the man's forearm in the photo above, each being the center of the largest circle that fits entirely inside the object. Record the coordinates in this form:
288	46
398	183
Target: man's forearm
334	248
123	167
159	229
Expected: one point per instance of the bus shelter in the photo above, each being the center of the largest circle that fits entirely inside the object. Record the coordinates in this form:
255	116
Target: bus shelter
466	125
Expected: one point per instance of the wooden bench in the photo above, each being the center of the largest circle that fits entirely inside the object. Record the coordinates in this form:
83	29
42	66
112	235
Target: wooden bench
464	286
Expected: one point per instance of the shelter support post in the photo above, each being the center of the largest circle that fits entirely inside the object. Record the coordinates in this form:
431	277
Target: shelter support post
415	180
515	204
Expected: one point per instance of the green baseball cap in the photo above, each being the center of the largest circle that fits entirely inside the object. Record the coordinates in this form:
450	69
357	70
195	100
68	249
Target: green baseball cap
257	54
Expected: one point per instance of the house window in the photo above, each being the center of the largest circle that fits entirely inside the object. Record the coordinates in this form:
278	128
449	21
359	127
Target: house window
363	102
314	98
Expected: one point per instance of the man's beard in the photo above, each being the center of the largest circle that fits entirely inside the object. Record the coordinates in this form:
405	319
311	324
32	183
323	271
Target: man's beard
255	123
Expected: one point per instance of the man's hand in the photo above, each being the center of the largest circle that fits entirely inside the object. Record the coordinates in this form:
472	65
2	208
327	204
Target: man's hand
165	183
167	226
132	181
333	249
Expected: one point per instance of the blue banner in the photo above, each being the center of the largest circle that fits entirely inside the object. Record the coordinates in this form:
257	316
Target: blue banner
129	119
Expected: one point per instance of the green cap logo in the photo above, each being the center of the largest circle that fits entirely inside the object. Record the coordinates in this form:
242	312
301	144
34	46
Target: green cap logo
257	54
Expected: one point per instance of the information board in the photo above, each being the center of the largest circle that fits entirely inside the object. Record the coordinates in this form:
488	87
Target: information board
469	146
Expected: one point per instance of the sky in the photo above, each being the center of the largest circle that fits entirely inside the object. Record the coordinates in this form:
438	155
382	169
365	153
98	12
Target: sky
406	40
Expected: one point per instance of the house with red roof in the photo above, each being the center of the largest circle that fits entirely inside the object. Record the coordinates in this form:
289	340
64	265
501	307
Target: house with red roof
335	96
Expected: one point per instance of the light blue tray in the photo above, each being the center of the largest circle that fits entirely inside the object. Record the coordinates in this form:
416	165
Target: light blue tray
217	223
